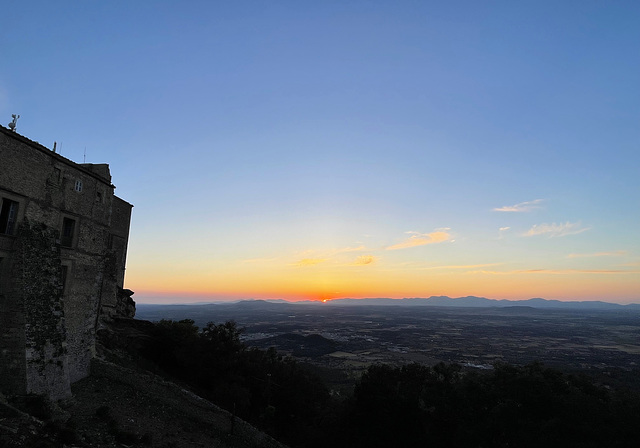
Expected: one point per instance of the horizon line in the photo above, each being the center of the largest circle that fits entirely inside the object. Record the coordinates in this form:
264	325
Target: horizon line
321	301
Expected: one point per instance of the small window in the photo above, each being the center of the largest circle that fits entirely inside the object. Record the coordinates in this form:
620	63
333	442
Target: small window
98	196
78	186
8	216
68	230
55	177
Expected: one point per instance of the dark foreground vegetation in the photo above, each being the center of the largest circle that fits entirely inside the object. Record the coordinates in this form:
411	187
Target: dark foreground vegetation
271	392
413	405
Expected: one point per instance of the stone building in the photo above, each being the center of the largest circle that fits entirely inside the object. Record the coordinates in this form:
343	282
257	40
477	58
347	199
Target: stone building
63	244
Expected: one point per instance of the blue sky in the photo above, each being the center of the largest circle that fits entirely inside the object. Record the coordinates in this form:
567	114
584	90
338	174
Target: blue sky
333	149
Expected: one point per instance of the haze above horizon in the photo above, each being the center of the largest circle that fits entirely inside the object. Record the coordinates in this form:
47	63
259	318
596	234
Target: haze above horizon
358	149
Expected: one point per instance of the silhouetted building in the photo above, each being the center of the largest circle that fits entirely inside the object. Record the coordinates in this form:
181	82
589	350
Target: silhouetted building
63	244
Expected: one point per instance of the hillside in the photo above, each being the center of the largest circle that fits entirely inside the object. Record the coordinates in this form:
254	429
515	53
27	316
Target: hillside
127	401
123	405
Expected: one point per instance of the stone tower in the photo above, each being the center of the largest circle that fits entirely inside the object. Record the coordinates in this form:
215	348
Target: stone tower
63	245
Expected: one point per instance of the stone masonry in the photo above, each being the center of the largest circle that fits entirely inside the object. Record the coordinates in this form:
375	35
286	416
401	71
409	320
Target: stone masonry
63	245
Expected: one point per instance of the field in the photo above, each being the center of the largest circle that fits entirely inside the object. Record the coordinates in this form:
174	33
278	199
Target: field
348	339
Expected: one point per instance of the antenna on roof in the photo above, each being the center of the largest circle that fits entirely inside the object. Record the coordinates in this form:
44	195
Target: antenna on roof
54	146
13	123
84	158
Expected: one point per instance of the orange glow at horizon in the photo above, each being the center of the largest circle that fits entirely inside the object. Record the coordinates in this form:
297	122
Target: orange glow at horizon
387	278
617	288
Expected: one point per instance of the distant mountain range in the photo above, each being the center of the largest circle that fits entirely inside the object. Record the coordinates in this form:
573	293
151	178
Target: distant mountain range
434	301
481	302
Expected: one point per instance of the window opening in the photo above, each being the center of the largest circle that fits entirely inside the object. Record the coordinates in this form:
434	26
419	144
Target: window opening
8	216
68	228
55	177
78	186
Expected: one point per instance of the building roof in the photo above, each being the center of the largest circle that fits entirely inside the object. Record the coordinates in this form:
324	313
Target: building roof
97	173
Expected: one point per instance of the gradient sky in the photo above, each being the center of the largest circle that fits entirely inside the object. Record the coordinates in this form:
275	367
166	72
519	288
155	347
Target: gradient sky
313	150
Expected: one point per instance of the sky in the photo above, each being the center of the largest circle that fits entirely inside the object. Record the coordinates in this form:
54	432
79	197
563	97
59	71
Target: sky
316	150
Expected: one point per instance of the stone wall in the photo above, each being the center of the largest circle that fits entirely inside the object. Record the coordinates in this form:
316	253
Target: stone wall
81	264
37	273
12	334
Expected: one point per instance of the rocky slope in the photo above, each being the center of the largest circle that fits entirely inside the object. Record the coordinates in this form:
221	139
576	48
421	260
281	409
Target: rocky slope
123	405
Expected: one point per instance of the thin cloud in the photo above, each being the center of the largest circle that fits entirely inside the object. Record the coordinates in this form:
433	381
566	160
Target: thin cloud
462	266
364	260
502	231
325	254
421	239
521	207
616	253
347	250
557	271
328	253
553	230
309	262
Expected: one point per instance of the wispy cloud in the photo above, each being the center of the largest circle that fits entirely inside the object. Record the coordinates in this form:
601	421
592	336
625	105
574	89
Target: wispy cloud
461	266
364	260
347	250
521	207
421	239
553	230
313	257
309	262
616	253
558	271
